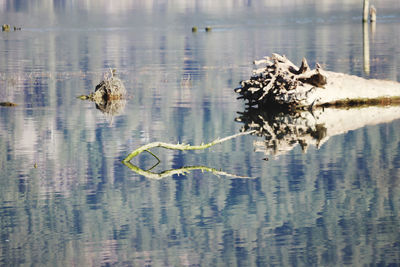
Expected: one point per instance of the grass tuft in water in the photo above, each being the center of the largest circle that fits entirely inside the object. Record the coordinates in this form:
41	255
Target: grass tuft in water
109	95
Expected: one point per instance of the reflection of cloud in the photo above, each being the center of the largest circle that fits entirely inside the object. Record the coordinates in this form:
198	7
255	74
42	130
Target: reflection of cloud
28	139
285	130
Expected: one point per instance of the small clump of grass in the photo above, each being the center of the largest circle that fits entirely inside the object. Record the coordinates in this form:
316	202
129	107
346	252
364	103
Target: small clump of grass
109	95
111	88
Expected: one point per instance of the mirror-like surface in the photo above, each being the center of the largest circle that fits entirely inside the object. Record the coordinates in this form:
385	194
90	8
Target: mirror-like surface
66	198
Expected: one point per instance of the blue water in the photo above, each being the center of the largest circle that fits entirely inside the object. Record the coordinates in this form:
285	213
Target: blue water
66	198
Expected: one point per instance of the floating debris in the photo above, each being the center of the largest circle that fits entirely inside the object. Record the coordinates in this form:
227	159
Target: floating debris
83	97
194	29
208	29
5	27
8	104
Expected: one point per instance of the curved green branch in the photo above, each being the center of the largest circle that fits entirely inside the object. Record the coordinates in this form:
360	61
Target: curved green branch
139	150
182	170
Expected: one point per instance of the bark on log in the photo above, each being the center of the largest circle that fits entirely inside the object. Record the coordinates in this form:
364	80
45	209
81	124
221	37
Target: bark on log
281	83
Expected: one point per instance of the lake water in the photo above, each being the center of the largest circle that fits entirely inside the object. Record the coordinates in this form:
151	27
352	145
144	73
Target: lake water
66	198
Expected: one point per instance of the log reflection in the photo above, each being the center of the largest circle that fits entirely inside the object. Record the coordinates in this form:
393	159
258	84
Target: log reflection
283	130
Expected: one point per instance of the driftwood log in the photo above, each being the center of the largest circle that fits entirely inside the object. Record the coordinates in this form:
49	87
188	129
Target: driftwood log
281	83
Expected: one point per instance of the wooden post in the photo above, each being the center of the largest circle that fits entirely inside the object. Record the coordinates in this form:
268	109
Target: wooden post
366	48
365	11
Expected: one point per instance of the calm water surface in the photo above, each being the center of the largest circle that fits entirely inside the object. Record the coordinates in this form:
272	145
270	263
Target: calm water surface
66	198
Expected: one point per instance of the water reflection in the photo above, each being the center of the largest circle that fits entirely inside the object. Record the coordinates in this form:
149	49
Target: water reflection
180	171
177	171
366	56
284	130
66	198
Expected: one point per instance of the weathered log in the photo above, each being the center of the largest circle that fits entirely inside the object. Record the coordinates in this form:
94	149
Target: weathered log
281	83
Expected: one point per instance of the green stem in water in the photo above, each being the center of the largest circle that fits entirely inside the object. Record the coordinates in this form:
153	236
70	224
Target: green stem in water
182	147
139	150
